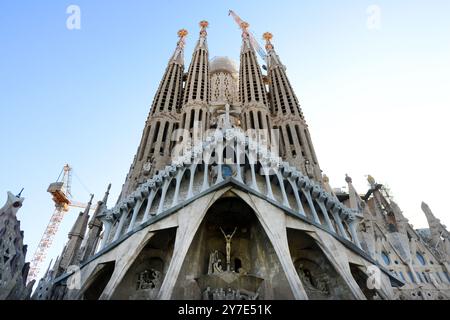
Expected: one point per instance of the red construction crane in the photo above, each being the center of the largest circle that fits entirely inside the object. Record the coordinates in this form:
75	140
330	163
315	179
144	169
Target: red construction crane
62	196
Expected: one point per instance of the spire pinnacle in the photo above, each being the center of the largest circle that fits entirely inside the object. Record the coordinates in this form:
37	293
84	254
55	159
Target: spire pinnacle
202	41
203	25
371	180
268	36
326	184
88	207
244	26
178	55
182	34
272	58
348	179
105	198
355	200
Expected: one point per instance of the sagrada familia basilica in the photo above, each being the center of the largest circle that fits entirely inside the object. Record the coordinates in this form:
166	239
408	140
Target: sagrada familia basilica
225	200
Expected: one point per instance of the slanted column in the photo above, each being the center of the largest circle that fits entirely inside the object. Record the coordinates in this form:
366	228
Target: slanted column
337	219
311	205
123	217
283	190
295	190
205	184
142	193
137	206
266	169
253	185
252	161
151	197
305	186
163	196
219	173
351	222
106	233
192	169
108	220
177	187
326	216
320	198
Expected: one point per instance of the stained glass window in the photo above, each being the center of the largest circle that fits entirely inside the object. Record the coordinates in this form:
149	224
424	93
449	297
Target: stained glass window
385	257
420	258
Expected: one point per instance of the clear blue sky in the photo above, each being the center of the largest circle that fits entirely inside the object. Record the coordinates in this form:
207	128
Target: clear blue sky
377	101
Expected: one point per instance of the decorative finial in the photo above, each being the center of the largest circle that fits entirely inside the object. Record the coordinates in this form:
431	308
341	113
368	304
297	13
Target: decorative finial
105	197
244	26
203	25
182	33
325	178
268	36
371	180
20	193
348	179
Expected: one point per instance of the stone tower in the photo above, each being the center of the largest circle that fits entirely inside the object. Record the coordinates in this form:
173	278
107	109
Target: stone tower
252	91
162	122
13	268
196	90
295	141
229	216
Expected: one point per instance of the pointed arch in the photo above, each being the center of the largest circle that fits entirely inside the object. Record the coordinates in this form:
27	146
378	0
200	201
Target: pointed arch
251	251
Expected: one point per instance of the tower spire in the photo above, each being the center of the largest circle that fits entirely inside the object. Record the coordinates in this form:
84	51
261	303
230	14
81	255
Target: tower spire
196	89
178	55
295	140
71	253
155	147
440	237
95	228
105	197
255	114
252	88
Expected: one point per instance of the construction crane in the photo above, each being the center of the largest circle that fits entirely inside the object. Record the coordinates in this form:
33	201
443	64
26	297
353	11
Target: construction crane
62	197
244	25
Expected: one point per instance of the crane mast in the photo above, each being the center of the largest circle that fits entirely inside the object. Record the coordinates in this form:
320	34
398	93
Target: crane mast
244	25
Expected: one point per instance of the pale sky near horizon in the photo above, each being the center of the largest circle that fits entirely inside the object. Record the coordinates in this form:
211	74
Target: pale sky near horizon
376	100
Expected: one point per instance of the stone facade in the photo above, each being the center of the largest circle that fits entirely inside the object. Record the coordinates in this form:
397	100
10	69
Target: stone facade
13	269
235	206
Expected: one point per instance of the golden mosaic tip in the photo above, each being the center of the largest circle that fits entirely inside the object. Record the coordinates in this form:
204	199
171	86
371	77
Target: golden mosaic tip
182	33
267	36
244	25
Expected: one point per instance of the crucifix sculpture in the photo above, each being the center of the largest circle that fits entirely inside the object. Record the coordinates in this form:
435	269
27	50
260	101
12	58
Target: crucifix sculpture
228	246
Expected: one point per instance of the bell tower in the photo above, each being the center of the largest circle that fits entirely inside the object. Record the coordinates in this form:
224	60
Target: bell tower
295	140
155	147
196	92
252	90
